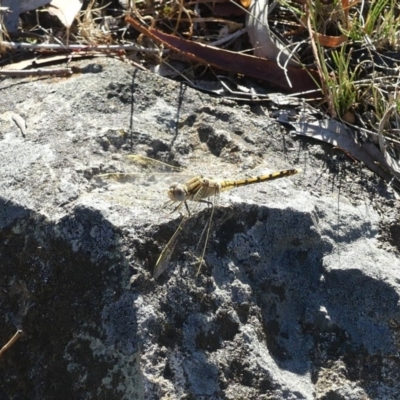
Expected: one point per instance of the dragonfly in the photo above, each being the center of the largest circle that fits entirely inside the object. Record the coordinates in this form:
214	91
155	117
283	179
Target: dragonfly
196	189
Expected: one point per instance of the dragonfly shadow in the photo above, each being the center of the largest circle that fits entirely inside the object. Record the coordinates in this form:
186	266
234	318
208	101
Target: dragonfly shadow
276	253
273	259
230	222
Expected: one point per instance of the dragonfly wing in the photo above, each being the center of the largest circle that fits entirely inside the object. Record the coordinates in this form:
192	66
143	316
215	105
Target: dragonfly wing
150	164
148	178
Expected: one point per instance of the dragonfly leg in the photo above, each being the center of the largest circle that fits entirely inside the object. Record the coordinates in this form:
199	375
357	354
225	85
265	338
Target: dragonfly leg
209	203
187	207
179	206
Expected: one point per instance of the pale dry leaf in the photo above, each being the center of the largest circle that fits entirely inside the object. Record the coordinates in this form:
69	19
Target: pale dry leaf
265	44
65	10
337	134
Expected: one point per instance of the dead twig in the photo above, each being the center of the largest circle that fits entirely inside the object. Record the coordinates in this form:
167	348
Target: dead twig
17	335
76	47
37	72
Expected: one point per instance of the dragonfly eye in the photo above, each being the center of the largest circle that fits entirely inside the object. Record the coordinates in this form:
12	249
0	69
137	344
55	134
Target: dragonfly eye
176	192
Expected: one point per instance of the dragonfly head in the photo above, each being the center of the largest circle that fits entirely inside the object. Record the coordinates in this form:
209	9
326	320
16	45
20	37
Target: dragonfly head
177	192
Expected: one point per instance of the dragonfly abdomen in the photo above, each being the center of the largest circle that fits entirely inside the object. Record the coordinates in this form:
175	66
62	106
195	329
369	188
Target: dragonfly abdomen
199	188
231	184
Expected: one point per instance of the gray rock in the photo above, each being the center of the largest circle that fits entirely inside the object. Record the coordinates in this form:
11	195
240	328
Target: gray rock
298	297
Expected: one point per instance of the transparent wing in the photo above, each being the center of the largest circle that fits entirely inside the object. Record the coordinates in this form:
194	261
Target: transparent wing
144	177
132	167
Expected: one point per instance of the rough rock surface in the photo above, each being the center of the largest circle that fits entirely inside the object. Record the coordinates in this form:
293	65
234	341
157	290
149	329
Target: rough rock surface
299	296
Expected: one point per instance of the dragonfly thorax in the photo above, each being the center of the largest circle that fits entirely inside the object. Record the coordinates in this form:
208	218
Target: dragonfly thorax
177	192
